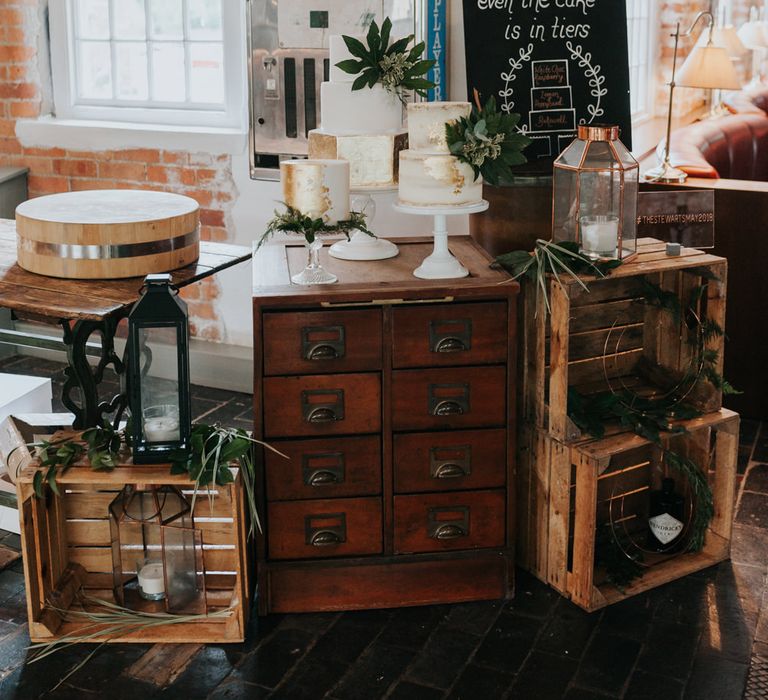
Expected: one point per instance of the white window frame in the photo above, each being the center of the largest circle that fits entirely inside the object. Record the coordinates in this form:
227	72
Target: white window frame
67	105
650	48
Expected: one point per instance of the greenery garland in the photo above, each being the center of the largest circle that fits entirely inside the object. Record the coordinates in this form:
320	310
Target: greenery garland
213	450
293	221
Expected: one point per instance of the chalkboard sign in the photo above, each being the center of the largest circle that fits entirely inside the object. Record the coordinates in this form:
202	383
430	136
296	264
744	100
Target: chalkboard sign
558	63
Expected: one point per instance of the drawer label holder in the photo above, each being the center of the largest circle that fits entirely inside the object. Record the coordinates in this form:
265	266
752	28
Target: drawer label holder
322	405
450	336
452	462
325	530
320	343
322	468
448	523
448	399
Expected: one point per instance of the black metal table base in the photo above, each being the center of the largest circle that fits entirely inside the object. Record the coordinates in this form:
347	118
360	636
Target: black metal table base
80	393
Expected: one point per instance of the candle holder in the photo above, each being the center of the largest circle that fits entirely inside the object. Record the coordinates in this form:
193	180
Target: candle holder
157	553
595	195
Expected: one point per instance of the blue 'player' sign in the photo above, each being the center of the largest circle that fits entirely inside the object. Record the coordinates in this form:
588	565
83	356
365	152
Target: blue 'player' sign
437	49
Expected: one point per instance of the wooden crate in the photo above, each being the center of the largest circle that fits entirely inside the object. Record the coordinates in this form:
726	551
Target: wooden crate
608	338
66	544
564	492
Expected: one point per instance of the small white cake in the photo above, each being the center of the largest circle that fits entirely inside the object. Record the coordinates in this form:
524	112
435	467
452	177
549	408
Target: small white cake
429	175
434	180
317	188
344	111
426	124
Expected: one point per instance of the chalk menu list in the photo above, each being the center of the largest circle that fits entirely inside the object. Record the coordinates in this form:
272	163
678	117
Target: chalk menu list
558	63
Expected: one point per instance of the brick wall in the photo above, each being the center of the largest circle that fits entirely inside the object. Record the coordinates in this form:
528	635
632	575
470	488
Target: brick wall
205	178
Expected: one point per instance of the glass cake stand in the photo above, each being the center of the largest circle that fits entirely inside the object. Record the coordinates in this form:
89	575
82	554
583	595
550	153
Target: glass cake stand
361	246
441	264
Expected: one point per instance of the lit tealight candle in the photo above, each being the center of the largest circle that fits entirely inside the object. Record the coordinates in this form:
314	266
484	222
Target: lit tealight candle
161	429
599	236
151	581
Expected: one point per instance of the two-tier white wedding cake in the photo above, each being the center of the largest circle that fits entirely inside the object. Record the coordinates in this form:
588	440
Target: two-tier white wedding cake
364	127
429	175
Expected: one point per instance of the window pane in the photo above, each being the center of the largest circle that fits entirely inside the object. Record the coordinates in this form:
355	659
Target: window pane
206	76
94	64
167	19
92	19
204	19
168	74
130	22
131	71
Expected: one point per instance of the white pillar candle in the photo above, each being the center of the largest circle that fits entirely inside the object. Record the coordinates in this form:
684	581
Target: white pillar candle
151	579
600	235
161	429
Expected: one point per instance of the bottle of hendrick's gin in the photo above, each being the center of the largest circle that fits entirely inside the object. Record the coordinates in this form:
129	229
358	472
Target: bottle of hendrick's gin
665	519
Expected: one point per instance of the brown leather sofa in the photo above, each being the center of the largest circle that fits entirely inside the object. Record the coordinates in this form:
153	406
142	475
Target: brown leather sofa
734	147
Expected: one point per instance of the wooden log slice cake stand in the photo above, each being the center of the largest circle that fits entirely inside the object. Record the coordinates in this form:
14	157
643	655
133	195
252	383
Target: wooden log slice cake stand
107	234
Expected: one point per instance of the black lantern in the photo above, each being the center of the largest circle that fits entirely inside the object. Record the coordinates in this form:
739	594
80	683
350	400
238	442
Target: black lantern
157	554
158	372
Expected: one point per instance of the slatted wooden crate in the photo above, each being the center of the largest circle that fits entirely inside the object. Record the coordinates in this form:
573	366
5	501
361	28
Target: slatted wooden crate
607	338
564	494
66	544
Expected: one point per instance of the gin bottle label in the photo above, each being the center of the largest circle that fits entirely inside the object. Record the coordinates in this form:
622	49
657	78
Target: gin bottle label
665	527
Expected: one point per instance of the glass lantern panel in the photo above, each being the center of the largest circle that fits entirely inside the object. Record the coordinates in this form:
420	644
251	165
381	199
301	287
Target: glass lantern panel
174	507
629	218
600	212
159	395
566	201
599	155
572	154
184	577
626	159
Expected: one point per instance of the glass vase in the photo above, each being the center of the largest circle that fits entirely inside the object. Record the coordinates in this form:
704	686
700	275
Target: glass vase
314	273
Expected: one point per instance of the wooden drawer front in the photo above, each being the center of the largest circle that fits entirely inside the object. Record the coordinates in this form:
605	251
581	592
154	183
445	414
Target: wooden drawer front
325	528
326	468
472	397
434	522
322	341
451	334
322	405
472	459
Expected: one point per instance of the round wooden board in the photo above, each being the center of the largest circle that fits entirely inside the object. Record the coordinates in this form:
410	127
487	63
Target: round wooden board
101	234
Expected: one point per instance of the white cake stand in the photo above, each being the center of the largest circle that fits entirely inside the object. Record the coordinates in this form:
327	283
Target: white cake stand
441	264
361	246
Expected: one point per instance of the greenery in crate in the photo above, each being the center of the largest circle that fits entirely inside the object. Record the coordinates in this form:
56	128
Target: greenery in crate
556	259
488	141
293	221
213	449
393	65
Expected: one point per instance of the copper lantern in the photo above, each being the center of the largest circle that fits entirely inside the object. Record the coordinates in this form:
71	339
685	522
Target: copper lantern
157	554
595	195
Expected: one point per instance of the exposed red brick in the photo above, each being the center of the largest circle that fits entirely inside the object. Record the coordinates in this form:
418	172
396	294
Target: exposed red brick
50	152
24	109
9	16
174	157
157	173
16	54
75	168
79	183
9	146
143	155
122	171
47	185
203	197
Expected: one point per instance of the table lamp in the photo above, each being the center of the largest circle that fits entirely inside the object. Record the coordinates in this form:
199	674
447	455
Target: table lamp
728	38
707	67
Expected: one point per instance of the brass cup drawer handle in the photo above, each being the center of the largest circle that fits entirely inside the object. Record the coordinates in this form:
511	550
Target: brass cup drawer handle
323	477
322	415
322	352
451	345
449	470
449	532
448	408
325	538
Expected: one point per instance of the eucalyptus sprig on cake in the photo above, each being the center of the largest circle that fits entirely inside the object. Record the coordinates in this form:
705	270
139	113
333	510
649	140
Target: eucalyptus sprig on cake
393	65
293	221
488	140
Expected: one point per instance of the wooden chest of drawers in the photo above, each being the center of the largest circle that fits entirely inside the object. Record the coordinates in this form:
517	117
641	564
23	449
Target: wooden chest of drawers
394	400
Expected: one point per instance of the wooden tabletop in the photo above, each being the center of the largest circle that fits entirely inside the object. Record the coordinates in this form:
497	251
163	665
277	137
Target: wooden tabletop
50	298
369	281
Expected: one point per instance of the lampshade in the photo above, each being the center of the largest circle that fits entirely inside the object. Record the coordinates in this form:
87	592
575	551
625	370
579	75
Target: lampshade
726	37
708	67
753	35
